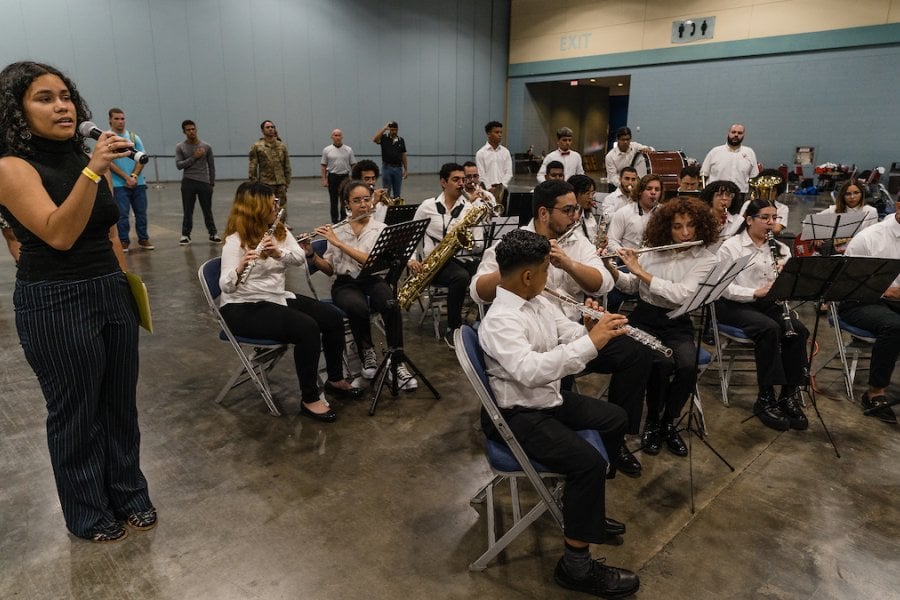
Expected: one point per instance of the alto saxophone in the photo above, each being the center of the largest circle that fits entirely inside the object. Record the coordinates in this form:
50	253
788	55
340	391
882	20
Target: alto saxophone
457	238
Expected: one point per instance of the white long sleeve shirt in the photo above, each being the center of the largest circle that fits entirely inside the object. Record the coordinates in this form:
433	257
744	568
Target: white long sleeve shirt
529	345
442	222
342	262
881	240
495	165
571	162
676	276
626	229
758	273
616	160
266	280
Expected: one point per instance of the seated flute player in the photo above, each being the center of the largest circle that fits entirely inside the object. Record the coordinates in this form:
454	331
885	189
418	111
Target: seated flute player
666	279
529	345
255	303
576	269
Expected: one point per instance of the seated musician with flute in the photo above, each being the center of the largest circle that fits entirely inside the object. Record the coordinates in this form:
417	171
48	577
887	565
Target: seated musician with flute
255	303
881	318
576	269
348	250
529	344
666	279
779	337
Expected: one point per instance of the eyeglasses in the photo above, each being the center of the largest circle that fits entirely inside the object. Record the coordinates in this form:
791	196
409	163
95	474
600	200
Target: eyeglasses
571	209
724	195
360	200
766	218
475	176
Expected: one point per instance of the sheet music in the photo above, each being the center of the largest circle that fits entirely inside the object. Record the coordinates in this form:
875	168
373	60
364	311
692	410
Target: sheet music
828	226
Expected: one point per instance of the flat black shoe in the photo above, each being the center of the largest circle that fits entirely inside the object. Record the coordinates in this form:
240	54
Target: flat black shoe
768	411
352	393
628	464
674	442
790	406
601	580
112	531
613	527
877	407
651	441
143	520
326	417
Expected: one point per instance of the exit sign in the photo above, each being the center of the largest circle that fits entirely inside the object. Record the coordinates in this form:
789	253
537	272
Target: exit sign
692	30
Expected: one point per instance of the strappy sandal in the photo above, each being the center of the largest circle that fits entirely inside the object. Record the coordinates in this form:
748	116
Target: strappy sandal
143	520
109	532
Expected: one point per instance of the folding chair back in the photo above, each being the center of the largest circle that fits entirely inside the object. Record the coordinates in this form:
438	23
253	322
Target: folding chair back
859	347
263	354
508	461
733	342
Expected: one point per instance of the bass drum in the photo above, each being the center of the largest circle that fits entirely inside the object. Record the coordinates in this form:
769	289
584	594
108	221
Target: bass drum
665	164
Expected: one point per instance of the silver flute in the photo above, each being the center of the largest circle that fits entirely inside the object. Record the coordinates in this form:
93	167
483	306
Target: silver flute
311	234
638	335
656	248
249	266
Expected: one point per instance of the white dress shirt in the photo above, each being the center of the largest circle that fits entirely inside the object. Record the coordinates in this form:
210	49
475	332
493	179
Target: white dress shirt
616	160
736	166
881	240
571	162
266	280
442	223
495	165
576	247
613	202
759	271
342	262
529	345
676	276
626	229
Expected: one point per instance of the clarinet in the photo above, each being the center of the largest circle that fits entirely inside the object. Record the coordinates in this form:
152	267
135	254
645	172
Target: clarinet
787	325
249	267
638	335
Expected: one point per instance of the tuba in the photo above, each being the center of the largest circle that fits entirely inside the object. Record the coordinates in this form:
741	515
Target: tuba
762	186
459	237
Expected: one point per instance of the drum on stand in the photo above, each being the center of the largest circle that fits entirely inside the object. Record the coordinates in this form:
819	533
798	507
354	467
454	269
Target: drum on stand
666	164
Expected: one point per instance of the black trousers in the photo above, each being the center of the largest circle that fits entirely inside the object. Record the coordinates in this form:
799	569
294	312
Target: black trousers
629	362
81	339
308	324
672	379
779	360
191	191
350	295
338	212
456	275
883	320
549	437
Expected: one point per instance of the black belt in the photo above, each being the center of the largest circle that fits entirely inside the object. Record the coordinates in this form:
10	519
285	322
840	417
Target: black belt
387	164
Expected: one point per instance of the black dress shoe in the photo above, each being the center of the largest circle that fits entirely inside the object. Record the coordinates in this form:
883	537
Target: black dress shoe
353	393
877	407
768	411
613	527
628	464
674	442
651	441
790	406
326	417
601	580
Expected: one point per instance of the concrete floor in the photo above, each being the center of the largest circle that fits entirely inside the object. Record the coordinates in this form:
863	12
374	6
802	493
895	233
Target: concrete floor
260	507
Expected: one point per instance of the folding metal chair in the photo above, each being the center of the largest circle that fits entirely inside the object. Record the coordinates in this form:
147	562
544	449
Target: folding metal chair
734	342
861	341
263	354
508	461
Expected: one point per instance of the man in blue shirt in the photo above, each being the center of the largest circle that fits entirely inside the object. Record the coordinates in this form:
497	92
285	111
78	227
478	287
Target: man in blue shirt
129	186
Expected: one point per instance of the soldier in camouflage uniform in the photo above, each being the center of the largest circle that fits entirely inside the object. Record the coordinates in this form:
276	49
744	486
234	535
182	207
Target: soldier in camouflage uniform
270	163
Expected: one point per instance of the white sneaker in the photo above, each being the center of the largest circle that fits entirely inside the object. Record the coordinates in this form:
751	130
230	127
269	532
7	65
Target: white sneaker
370	363
407	382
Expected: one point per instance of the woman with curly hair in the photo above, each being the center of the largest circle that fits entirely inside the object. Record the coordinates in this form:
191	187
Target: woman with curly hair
665	280
260	306
75	316
719	195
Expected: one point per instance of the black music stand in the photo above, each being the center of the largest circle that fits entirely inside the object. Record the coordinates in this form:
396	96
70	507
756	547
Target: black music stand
832	279
831	226
400	214
708	291
392	249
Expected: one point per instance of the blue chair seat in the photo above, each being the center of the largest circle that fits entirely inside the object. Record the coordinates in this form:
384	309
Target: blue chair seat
854	331
502	460
734	332
705	356
249	341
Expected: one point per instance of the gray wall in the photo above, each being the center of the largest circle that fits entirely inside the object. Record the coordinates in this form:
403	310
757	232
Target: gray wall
436	66
842	102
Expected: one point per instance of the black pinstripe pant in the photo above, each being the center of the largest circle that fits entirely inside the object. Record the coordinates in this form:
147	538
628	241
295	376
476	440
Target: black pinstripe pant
81	339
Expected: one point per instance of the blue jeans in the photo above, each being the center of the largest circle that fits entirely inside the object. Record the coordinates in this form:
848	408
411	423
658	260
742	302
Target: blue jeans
392	178
130	199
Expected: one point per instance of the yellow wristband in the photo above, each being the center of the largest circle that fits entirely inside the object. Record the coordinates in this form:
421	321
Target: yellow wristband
90	175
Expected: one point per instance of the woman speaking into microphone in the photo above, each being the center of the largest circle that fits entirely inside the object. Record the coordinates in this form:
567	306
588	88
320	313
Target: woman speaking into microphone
665	280
75	316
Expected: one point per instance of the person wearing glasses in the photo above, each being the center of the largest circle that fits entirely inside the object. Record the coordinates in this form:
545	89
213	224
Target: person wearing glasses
576	270
719	195
584	188
444	211
348	250
626	229
780	360
782	209
474	187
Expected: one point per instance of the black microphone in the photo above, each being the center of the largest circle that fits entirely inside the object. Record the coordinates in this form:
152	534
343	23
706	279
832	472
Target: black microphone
89	129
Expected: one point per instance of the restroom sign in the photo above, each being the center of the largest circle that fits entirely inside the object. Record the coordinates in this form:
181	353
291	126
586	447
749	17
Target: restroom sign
692	30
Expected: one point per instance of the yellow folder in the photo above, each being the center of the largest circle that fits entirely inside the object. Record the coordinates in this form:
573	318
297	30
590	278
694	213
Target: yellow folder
139	291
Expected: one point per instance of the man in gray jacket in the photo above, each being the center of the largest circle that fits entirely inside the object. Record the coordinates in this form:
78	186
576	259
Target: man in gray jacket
195	158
